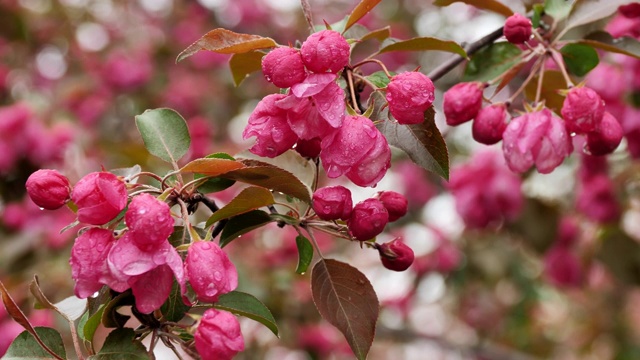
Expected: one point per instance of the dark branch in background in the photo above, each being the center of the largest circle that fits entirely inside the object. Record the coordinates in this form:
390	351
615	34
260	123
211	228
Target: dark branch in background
471	49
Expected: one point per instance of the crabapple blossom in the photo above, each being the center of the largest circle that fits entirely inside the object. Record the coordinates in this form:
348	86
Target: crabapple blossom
517	29
606	137
209	271
496	197
89	261
283	67
490	123
309	148
410	94
395	203
332	203
462	102
630	10
396	255
537	138
218	335
100	197
268	123
562	268
149	220
325	51
368	219
357	149
48	189
582	110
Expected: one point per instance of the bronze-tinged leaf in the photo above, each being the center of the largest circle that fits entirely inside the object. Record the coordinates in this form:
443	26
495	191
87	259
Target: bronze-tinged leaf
509	75
603	40
251	198
490	5
243	64
551	83
345	298
589	11
225	41
424	44
359	11
211	166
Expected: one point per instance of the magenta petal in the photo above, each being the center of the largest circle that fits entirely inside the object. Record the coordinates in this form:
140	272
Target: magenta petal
330	104
313	84
127	259
89	260
152	289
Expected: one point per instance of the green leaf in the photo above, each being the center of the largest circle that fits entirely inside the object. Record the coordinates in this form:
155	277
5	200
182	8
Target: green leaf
305	254
251	198
88	327
589	11
242	224
490	5
174	308
538	9
215	184
224	41
579	58
359	11
164	133
603	40
25	346
422	142
379	79
121	345
423	44
111	318
492	61
272	177
345	298
557	9
248	306
243	64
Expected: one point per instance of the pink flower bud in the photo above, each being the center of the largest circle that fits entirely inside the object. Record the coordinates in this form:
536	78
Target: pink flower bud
209	271
48	189
332	203
582	110
562	268
89	260
268	123
100	197
462	102
368	219
149	221
606	138
325	51
218	336
536	138
517	29
395	203
630	11
309	148
490	123
596	199
283	67
410	94
396	255
357	149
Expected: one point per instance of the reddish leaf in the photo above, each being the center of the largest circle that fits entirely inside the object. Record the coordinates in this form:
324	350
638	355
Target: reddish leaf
345	298
490	5
211	166
588	11
21	318
509	75
360	10
244	64
379	34
249	199
424	44
551	83
224	41
603	40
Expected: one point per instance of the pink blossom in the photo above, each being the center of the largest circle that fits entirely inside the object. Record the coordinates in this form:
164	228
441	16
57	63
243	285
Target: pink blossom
396	255
357	149
596	198
89	261
209	271
630	10
127	71
462	102
562	268
607	80
582	110
149	221
283	67
218	336
395	203
100	197
410	94
309	148
536	138
332	203
325	51
268	123
517	29
417	187
485	191
606	137
490	123
48	189
368	219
